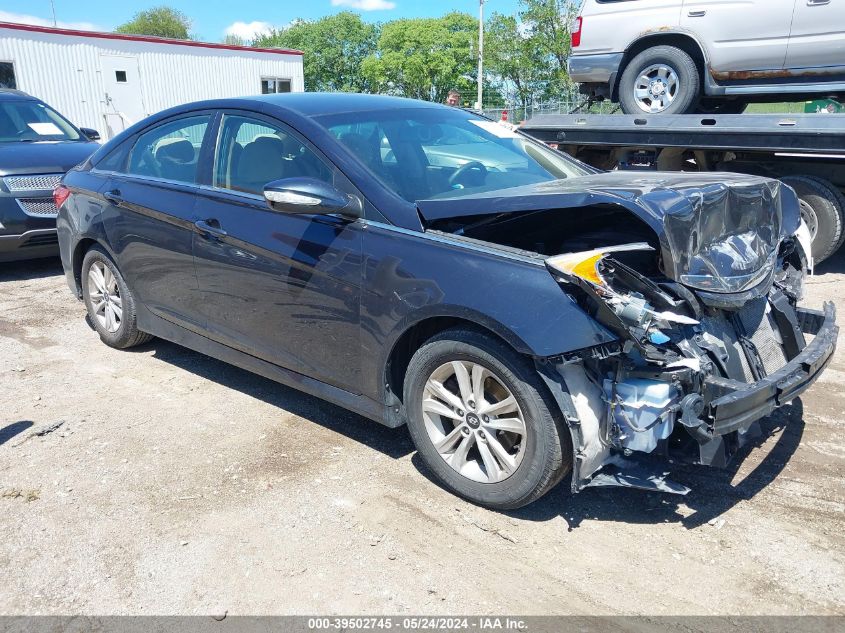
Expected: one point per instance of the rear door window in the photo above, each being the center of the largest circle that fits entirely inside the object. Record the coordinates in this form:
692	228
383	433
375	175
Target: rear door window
170	151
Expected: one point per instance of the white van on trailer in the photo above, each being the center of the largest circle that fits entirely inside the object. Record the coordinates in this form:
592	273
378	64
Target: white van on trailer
709	56
108	81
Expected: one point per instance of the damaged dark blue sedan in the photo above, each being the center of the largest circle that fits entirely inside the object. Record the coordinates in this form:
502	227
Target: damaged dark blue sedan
527	317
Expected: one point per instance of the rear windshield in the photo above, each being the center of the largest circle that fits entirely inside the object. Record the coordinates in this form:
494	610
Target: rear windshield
29	121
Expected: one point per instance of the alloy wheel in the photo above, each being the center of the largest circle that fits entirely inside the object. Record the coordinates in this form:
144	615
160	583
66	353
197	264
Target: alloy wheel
474	421
105	297
656	88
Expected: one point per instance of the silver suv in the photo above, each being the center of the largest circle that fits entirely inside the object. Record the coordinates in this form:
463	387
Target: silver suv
679	56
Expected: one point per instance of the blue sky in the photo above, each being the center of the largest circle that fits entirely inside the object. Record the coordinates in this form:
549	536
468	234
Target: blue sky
212	20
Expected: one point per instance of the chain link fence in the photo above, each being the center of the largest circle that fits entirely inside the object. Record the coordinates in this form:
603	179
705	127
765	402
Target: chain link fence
517	113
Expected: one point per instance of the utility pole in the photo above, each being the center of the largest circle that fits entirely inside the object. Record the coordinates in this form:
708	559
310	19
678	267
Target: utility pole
53	9
478	104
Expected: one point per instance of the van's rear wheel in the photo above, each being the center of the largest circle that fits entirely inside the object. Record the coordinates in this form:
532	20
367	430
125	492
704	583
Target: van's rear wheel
660	80
481	420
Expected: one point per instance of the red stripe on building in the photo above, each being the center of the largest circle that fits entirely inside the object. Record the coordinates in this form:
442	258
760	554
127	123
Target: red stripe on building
143	38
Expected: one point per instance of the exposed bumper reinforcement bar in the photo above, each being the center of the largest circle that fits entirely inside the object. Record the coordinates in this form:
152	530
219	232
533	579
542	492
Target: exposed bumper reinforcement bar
737	404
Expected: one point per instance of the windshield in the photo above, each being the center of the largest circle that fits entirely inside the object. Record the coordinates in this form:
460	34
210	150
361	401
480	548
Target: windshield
430	153
33	121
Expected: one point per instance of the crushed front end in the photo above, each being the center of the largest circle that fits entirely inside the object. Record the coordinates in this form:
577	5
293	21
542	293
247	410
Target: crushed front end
711	338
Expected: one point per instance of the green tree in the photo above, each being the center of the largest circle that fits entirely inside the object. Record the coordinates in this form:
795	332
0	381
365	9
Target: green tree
334	46
235	40
160	22
424	58
547	26
514	60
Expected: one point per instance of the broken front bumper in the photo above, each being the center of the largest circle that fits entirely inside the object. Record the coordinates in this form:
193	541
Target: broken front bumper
735	405
727	421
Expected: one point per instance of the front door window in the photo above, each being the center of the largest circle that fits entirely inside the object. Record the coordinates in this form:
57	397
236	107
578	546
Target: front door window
253	153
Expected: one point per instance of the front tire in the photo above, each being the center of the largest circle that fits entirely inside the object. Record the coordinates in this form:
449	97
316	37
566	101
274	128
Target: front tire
483	422
110	303
660	80
821	209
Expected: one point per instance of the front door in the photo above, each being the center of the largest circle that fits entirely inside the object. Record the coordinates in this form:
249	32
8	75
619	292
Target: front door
123	94
284	288
817	40
740	35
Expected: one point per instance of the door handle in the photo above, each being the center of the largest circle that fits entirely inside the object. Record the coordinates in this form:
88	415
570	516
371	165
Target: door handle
817	3
697	14
113	196
210	228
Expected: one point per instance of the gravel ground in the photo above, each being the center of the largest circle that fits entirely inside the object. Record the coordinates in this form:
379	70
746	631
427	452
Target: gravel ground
162	481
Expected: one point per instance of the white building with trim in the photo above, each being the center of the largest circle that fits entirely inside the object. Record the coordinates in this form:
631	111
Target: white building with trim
108	81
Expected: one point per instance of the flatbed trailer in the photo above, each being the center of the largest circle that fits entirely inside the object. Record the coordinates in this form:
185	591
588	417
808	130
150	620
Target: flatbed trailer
807	152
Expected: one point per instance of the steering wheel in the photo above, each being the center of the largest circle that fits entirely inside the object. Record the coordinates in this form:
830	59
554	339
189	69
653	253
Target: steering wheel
463	170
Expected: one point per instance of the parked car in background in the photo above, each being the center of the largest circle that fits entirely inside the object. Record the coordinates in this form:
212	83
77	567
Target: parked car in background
683	56
37	146
528	317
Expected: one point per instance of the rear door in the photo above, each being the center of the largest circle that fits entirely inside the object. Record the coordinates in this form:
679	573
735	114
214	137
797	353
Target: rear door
150	216
740	35
284	288
817	40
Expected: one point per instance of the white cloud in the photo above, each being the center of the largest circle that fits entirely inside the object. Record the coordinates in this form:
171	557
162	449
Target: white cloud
22	18
248	30
365	5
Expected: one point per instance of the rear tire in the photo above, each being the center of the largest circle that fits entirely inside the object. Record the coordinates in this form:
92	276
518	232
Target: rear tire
665	66
836	195
110	303
539	453
826	214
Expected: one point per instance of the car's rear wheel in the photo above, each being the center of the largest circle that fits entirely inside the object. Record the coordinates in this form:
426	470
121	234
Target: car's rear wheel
110	303
660	80
822	210
482	421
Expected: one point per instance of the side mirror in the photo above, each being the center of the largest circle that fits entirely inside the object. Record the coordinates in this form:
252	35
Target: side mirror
90	134
311	196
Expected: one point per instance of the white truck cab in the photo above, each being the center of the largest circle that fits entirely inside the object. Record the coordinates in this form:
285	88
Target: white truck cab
678	56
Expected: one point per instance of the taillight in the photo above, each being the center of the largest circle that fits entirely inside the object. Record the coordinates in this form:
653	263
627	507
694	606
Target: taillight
576	31
60	195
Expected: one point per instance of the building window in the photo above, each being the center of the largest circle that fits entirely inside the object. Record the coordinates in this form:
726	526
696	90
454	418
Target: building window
272	85
120	76
7	75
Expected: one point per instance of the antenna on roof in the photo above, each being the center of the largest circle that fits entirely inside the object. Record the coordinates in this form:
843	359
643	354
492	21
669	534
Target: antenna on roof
53	9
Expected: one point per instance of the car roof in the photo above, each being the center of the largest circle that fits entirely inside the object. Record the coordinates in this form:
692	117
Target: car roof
318	103
314	104
8	94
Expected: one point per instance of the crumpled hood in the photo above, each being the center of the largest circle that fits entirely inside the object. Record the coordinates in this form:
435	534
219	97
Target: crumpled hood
43	157
718	231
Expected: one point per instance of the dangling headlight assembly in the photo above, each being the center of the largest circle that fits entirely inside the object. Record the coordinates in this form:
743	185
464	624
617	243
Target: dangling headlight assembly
625	307
586	264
